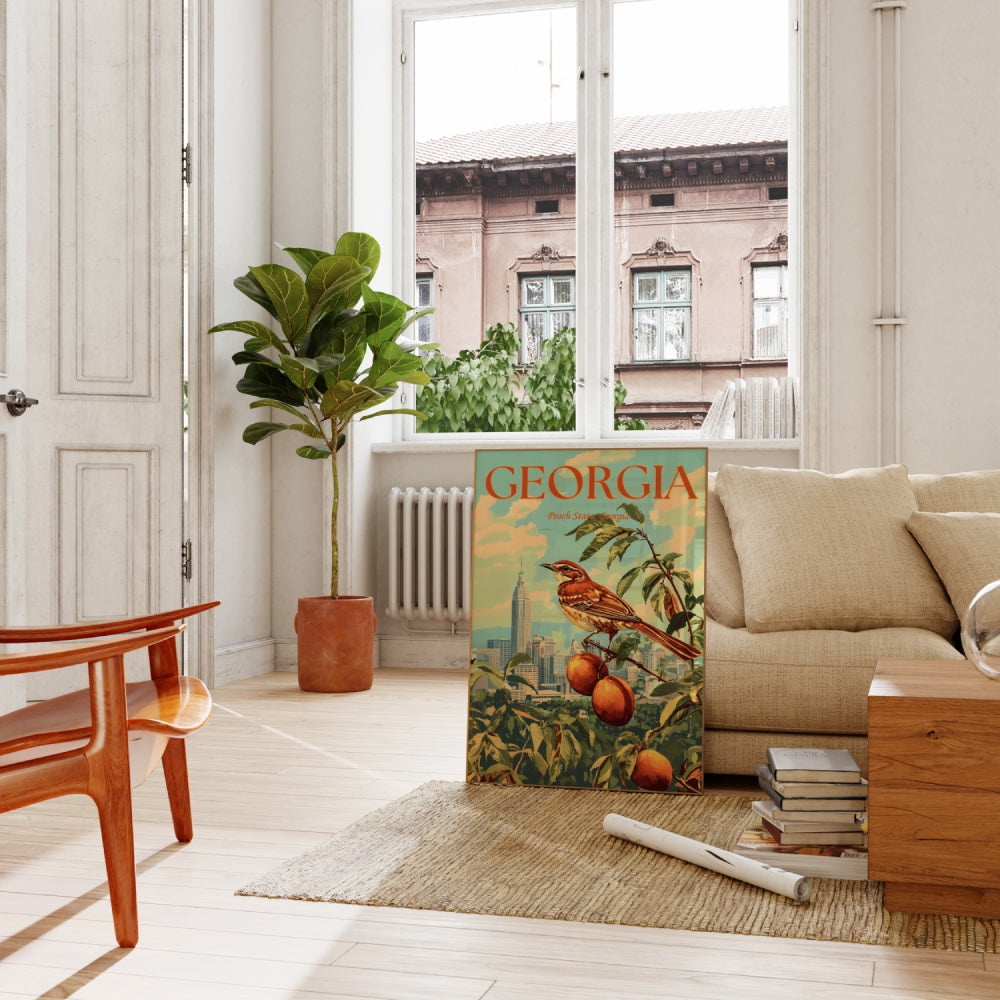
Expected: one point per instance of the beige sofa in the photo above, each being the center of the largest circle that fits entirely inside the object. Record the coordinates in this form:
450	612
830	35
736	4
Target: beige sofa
811	578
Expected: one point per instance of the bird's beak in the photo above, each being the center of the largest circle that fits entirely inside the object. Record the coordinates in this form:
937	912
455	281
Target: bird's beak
546	566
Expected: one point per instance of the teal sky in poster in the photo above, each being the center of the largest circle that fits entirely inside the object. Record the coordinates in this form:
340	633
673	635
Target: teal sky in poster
527	501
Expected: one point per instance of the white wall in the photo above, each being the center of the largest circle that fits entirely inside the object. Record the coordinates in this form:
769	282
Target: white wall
242	230
298	525
949	200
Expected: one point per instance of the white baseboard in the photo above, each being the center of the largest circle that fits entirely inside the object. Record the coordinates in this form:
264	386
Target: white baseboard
246	659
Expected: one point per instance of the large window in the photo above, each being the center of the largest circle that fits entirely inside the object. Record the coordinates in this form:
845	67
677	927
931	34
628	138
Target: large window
548	305
632	223
661	311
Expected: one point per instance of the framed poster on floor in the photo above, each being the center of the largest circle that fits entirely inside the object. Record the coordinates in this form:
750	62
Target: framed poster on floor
588	595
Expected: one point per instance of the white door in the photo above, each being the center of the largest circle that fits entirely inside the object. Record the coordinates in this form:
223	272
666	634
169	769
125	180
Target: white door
94	326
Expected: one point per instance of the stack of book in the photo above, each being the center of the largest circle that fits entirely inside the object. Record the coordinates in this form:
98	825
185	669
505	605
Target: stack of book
813	816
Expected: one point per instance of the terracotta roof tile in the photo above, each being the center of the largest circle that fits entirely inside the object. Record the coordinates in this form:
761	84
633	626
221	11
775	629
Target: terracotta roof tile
687	130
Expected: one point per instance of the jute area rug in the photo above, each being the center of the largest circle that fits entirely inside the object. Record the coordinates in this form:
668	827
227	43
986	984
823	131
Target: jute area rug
542	852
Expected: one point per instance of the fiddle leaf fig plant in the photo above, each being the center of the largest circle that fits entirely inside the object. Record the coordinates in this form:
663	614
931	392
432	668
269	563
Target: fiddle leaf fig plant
333	354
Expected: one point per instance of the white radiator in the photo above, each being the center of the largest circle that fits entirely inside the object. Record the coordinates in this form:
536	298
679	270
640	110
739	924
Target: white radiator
430	553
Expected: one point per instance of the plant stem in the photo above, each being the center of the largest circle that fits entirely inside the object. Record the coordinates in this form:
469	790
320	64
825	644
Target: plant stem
334	510
604	649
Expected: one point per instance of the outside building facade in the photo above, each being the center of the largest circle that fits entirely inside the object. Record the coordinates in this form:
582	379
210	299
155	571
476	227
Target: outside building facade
701	253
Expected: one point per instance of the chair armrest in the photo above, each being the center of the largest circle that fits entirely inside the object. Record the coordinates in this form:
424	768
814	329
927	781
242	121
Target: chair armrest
93	652
93	630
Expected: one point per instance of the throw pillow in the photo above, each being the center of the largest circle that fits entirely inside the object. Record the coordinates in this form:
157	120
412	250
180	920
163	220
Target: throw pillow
723	583
830	551
973	491
964	548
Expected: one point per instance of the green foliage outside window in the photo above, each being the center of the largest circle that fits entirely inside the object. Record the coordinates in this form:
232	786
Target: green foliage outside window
487	389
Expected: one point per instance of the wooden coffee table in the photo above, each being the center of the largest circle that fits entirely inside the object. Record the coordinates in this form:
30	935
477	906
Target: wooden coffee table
934	787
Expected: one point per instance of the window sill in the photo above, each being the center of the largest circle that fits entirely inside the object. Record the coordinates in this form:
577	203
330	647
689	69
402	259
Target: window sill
452	444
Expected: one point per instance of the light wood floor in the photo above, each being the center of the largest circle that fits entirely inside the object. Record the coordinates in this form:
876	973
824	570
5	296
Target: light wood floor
274	773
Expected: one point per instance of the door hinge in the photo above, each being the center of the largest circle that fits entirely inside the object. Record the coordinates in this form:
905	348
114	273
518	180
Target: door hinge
187	560
186	164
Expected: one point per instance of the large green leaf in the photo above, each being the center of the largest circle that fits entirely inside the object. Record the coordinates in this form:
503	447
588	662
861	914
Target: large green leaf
302	371
384	316
250	358
278	404
400	409
259	431
346	399
250	287
255	330
340	333
304	257
310	430
269	382
335	283
391	364
363	248
308	451
345	344
287	292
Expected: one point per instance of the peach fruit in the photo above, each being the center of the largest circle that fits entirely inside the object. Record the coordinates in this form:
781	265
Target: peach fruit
652	771
613	701
584	670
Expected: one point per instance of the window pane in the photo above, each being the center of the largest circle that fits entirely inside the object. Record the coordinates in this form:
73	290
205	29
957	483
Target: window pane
423	292
675	339
495	127
769	336
647	335
561	320
647	287
767	282
562	291
677	286
533	332
717	143
533	291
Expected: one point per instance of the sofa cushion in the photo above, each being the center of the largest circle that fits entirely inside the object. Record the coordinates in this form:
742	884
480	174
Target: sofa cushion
723	583
975	491
964	548
810	681
820	551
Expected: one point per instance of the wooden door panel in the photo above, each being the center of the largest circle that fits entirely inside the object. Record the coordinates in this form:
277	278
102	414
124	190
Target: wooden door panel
104	292
107	533
109	163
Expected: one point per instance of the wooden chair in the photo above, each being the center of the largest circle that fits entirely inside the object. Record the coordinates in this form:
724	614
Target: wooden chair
106	739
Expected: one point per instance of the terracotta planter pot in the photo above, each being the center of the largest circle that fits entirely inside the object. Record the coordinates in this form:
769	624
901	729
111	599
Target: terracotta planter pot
336	643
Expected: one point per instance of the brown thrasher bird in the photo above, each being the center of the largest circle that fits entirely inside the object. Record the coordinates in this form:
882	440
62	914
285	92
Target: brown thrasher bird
593	607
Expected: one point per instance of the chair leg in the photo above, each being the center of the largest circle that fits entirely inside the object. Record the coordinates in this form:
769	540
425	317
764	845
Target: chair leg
115	812
176	775
110	788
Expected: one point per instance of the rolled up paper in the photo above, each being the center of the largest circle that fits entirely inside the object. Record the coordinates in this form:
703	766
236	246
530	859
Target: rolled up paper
706	856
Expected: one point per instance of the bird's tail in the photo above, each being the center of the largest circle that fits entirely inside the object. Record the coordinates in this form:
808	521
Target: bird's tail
676	646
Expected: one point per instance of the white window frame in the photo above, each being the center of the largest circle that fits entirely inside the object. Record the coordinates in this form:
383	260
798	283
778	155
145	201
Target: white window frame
595	264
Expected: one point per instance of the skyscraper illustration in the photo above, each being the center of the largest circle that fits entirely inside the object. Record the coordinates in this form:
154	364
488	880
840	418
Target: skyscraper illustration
520	617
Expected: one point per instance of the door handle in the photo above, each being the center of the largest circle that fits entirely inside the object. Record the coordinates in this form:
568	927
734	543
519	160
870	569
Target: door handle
17	402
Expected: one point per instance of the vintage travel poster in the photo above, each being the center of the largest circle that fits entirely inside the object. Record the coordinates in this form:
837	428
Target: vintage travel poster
588	594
